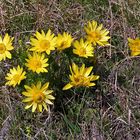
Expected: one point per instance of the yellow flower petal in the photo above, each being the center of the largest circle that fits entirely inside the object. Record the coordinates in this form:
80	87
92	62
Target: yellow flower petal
88	71
40	107
45	106
48	101
27	100
34	107
28	106
68	86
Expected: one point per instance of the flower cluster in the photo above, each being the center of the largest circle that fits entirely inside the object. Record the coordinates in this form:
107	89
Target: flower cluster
42	45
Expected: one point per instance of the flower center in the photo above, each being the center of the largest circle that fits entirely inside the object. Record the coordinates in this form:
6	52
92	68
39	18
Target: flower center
63	44
78	80
37	64
44	44
137	44
96	36
16	77
83	51
2	48
39	97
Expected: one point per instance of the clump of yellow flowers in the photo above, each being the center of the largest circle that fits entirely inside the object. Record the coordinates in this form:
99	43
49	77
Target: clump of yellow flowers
46	45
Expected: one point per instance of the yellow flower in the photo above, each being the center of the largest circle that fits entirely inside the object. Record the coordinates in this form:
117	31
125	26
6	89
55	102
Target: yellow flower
38	96
5	47
134	45
64	41
96	34
15	76
37	62
80	76
43	42
83	49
